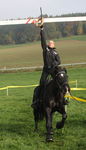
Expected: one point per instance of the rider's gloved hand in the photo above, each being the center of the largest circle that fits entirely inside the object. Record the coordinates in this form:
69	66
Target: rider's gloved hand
40	22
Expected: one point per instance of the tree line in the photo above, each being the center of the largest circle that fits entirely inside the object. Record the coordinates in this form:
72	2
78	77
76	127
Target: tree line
18	34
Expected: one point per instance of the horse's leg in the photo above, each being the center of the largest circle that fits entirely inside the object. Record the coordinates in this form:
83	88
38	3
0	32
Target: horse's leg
60	124
49	125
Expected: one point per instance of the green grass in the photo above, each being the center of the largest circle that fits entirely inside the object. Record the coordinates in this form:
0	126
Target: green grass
16	116
71	50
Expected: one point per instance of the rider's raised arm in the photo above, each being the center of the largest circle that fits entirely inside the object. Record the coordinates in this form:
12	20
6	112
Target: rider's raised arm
43	38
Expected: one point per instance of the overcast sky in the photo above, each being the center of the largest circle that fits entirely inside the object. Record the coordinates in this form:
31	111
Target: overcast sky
26	8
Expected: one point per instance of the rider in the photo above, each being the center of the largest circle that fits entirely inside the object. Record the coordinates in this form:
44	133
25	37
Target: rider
50	56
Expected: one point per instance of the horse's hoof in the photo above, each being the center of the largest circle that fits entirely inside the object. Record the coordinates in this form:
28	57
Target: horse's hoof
59	125
49	138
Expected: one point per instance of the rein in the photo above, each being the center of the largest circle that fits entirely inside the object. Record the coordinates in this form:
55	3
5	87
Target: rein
57	82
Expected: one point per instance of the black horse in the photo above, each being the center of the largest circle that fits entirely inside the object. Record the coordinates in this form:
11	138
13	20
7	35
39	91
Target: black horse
51	99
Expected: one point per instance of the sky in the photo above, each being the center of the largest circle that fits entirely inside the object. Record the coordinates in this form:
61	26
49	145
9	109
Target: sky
14	9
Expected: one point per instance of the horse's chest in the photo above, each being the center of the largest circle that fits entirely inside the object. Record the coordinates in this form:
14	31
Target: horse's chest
54	105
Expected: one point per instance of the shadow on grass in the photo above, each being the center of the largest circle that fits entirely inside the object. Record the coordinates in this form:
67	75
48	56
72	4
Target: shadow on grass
24	127
76	123
20	129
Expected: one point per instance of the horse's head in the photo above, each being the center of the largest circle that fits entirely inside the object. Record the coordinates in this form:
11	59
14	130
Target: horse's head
61	79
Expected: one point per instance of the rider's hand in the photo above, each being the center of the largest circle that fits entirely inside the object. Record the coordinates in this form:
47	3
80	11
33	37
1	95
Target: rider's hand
40	22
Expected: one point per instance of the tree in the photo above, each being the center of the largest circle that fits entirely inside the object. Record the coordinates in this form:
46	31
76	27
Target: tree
84	28
80	28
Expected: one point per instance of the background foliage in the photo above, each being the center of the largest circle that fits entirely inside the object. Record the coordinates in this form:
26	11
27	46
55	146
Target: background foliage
28	33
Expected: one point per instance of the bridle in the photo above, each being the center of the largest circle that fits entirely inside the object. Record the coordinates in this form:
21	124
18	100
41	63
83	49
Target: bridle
61	74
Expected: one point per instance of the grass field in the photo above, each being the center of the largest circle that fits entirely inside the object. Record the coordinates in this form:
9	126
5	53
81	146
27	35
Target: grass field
16	117
71	50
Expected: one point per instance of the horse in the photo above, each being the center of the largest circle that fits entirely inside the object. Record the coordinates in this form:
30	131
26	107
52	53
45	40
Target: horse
51	100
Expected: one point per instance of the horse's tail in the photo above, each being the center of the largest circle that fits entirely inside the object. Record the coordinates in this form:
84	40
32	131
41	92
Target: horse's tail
37	105
38	112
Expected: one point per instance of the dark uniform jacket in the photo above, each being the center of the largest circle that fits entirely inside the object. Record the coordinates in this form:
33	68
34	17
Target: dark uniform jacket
50	56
